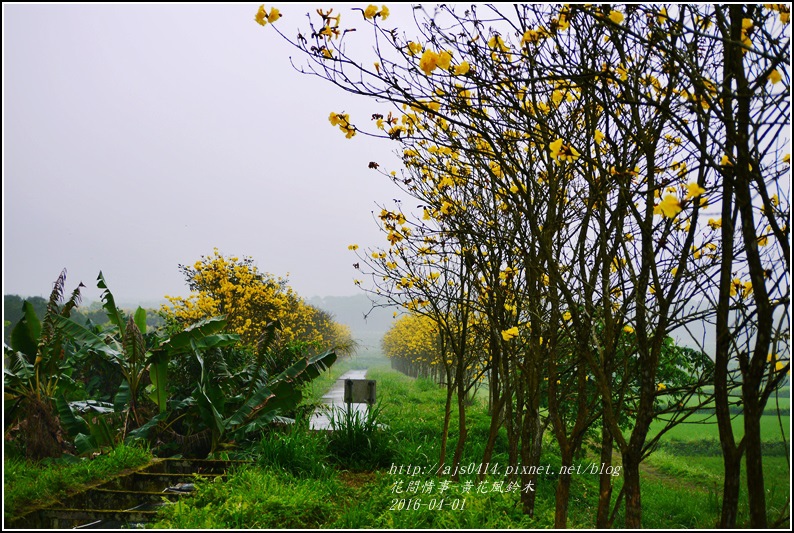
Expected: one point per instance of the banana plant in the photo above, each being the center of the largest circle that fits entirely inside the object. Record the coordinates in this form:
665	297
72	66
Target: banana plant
260	397
137	354
38	365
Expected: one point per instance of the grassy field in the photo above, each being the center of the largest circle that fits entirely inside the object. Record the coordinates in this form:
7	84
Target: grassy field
287	488
704	426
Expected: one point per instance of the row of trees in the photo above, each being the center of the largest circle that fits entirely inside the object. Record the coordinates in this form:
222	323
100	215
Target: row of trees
589	180
208	378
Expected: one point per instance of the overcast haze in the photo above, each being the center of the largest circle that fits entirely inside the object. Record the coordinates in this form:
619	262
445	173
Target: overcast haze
140	137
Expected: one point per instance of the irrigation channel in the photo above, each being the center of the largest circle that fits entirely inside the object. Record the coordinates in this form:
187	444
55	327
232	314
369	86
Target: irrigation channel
131	499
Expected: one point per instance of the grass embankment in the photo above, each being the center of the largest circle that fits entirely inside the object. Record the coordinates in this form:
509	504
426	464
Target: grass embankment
27	484
302	479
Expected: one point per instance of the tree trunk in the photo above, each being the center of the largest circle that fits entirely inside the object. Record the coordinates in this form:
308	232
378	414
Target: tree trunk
754	465
605	481
493	432
462	426
631	489
732	462
562	494
445	431
531	448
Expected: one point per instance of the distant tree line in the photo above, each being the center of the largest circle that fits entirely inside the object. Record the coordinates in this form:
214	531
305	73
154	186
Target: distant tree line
12	313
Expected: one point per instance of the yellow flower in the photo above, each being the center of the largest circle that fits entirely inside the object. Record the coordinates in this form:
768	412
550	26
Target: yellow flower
616	16
726	161
775	76
747	288
787	158
715	223
371	11
461	69
693	189
414	48
660	387
509	334
353	247
428	62
599	136
384	12
566	316
444	60
668	207
496	42
532	37
628	329
447	208
562	152
335	118
742	289
261	16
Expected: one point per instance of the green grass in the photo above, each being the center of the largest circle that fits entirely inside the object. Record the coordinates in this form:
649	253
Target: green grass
257	498
683	492
296	482
28	484
704	426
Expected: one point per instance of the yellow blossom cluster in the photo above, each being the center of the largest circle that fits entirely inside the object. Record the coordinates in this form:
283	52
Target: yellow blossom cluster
262	17
343	121
249	299
431	60
372	11
413	338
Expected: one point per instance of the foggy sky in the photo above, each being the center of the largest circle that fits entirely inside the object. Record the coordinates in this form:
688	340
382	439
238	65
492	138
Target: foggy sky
139	137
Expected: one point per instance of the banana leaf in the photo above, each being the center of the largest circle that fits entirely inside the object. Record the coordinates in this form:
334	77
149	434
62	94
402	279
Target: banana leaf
306	369
72	423
109	304
85	337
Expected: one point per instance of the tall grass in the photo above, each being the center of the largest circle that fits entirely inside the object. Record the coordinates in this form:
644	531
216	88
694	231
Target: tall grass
360	440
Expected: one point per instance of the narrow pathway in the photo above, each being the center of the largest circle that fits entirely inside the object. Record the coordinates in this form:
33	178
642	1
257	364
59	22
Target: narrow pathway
335	399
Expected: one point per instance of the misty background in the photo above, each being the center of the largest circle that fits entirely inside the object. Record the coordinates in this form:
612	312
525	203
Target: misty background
140	137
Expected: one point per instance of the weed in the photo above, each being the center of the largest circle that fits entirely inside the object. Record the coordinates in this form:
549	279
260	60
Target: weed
358	439
298	451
